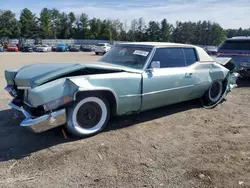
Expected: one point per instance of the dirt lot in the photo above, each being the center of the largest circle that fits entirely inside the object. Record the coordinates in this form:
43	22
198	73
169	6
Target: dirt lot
180	145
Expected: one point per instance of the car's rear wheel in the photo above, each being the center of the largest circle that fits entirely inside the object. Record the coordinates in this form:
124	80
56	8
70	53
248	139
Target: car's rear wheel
88	116
96	53
213	94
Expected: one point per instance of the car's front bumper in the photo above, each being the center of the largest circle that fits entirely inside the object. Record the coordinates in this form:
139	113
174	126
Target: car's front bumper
42	123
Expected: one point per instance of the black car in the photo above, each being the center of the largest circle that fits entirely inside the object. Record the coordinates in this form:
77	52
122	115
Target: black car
237	48
74	49
87	48
27	49
211	50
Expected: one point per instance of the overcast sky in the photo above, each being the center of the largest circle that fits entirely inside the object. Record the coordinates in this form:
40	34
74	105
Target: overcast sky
228	13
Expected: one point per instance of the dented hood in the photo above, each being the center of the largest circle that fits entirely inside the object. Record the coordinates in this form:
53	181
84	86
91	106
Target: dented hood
34	75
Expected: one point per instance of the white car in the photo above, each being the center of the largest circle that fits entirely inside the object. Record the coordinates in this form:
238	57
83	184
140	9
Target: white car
102	48
44	48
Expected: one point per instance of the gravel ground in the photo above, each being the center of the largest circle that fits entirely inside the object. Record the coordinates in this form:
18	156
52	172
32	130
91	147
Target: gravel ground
181	145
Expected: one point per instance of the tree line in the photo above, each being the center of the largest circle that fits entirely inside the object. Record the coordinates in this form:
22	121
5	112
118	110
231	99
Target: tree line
53	24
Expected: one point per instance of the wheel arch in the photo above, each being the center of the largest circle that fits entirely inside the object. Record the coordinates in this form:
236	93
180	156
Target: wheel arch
108	94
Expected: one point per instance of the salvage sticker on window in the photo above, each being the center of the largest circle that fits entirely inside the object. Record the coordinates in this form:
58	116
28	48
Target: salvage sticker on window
140	52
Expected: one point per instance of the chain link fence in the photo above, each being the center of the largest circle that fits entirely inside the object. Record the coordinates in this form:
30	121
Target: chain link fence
66	41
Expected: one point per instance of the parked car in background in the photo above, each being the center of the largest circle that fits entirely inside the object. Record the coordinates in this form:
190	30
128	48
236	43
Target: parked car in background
35	46
43	48
237	48
53	48
27	48
12	48
1	49
102	48
62	48
86	48
211	50
75	48
130	78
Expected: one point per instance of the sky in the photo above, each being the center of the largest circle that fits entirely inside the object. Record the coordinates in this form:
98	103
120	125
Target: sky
228	13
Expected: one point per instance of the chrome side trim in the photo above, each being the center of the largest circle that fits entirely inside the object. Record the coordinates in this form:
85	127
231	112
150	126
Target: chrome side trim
23	87
154	92
42	123
131	95
171	89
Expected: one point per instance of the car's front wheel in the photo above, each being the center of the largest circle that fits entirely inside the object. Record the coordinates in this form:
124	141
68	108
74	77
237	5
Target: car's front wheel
88	116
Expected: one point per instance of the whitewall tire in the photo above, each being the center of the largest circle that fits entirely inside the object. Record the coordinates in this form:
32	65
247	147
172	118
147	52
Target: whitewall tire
213	94
88	116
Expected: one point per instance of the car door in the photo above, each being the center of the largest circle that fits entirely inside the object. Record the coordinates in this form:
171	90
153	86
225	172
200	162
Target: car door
169	84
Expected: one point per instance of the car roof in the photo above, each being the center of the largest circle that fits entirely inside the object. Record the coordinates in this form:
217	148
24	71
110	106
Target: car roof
204	57
158	44
239	38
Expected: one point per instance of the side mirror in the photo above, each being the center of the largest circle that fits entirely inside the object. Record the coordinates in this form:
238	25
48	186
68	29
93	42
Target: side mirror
154	65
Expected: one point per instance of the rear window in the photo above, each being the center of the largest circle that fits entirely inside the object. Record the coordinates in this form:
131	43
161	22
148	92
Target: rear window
190	56
236	45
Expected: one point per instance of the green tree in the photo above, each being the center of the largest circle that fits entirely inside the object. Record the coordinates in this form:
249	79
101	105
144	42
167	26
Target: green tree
45	23
132	33
9	26
82	27
64	26
105	30
153	32
71	20
218	35
95	28
166	31
28	24
141	29
55	23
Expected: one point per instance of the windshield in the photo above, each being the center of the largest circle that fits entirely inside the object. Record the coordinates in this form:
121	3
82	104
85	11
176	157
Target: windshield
236	45
127	55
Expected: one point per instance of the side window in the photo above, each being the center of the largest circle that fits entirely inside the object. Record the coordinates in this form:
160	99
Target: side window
190	55
170	57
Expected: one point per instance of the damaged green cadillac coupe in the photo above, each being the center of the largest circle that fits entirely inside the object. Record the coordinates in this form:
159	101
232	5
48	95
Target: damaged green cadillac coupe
130	78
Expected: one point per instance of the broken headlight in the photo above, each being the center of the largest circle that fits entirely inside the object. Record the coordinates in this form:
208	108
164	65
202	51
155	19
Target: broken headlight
11	90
